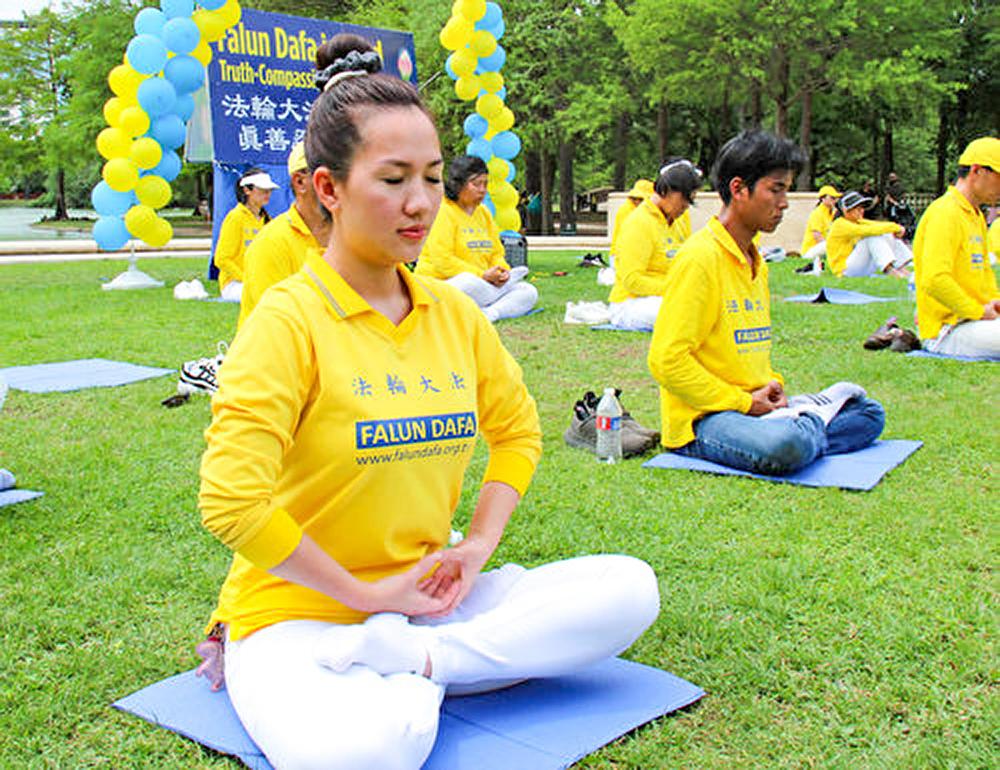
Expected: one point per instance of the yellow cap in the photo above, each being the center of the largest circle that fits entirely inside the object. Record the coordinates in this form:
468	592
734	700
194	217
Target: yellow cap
828	189
984	151
642	188
297	158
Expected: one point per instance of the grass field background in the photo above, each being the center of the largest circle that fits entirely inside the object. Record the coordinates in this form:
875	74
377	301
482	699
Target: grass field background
830	628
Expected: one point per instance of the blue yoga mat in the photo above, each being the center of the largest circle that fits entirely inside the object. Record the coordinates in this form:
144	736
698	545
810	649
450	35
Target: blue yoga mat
860	470
840	297
11	496
928	354
74	375
542	724
613	328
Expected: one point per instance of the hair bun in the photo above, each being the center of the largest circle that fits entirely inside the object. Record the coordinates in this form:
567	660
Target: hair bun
353	64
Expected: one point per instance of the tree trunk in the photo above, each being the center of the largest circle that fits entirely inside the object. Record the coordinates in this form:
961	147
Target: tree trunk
567	195
942	148
620	151
545	166
60	203
532	186
781	101
888	164
805	180
756	107
662	130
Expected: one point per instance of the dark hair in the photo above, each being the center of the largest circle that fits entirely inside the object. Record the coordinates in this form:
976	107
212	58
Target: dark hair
241	190
752	155
678	175
332	133
461	170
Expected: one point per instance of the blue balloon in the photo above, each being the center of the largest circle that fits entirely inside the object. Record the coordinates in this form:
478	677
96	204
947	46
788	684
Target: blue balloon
506	145
147	54
168	167
498	30
489	206
168	130
110	233
149	21
502	93
156	96
173	9
211	5
448	68
494	61
181	35
108	202
475	126
184	107
491	17
480	148
185	73
512	172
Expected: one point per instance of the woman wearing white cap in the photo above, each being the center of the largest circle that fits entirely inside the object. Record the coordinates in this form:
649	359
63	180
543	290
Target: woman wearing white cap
253	191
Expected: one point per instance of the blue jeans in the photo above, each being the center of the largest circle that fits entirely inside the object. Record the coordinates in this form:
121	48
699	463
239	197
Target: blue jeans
783	445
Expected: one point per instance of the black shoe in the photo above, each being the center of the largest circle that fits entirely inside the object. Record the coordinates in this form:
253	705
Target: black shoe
905	341
883	336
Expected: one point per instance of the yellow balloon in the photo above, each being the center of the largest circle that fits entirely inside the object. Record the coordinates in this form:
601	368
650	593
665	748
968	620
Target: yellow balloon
456	33
467	88
153	191
113	109
159	233
463	62
483	43
503	121
145	153
502	194
473	10
508	219
212	26
140	220
124	80
113	143
230	13
134	121
491	81
120	174
202	51
499	168
489	106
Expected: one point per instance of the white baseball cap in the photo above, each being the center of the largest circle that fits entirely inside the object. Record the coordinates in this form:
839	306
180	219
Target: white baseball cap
260	180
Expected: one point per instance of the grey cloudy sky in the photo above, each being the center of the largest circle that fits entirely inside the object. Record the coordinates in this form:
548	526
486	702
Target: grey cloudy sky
15	9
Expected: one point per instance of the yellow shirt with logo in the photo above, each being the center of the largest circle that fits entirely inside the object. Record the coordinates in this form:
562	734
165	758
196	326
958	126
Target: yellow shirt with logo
333	422
844	235
711	342
278	251
647	246
819	221
461	243
620	216
951	266
238	229
993	238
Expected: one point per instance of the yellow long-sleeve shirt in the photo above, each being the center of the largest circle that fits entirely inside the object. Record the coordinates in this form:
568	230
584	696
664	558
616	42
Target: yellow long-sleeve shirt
993	238
333	422
278	251
819	221
711	342
461	243
620	216
844	234
647	246
951	267
238	229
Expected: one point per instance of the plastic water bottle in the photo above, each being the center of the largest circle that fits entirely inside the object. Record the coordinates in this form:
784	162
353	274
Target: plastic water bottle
609	428
911	286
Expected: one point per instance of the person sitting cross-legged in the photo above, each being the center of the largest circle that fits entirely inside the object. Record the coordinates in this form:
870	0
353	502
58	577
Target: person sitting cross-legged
856	246
464	247
711	346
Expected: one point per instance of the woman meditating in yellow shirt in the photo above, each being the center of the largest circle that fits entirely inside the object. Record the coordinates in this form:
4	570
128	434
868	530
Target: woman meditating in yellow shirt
464	246
241	225
813	245
648	241
856	246
346	416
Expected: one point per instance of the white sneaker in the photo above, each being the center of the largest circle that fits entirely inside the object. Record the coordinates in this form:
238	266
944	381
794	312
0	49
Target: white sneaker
590	313
197	289
202	375
826	404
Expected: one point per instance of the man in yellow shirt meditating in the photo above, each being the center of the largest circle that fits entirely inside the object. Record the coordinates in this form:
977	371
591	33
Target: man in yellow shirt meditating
958	304
711	349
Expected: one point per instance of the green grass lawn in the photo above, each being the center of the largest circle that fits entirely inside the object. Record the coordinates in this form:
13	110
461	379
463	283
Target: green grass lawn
831	629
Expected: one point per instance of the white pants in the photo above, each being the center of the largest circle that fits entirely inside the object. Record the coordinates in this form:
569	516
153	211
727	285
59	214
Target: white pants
637	314
816	255
872	255
969	338
232	291
514	298
515	624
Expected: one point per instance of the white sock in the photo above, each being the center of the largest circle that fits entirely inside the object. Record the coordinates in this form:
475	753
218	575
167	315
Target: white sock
828	402
387	643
